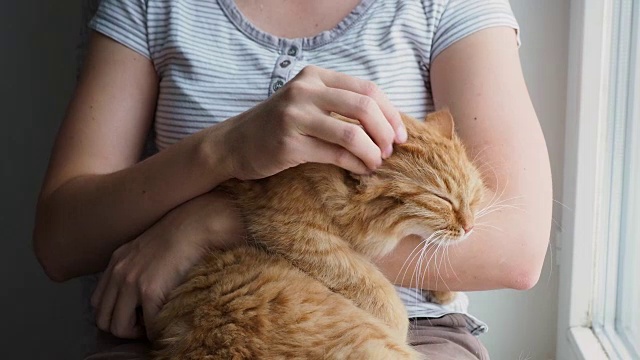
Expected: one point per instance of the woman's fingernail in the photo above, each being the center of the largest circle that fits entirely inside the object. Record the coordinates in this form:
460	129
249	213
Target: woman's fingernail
387	152
402	134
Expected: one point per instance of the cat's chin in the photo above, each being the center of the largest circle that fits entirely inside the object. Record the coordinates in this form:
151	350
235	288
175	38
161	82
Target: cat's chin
420	231
426	233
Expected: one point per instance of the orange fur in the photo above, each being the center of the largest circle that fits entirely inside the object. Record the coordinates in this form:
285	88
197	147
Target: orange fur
307	287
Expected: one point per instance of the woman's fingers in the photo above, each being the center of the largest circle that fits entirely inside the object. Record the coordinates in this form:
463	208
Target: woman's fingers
96	297
124	318
365	110
350	138
319	151
150	309
268	135
107	301
367	88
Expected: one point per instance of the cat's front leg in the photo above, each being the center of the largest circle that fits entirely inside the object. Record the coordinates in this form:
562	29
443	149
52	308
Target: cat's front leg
442	297
353	276
327	258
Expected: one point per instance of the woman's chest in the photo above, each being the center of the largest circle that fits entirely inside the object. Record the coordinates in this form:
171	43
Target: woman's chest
212	67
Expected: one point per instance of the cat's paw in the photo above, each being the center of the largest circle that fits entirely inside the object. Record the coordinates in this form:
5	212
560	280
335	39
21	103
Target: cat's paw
442	297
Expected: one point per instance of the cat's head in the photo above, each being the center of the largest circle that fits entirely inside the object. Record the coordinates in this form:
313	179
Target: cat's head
428	187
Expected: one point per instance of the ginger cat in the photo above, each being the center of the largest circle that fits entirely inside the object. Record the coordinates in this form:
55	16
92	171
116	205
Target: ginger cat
306	287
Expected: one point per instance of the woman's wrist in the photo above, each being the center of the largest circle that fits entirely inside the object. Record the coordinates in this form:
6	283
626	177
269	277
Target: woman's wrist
211	220
213	153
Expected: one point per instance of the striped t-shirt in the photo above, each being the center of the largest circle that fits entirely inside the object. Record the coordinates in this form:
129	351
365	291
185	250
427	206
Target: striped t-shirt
214	64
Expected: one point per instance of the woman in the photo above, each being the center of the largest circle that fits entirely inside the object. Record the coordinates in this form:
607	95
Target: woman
229	90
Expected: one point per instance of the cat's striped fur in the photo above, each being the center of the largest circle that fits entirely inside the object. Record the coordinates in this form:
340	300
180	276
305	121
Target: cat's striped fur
307	288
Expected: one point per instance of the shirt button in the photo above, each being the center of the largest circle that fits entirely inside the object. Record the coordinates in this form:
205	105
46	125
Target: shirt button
277	85
293	51
285	63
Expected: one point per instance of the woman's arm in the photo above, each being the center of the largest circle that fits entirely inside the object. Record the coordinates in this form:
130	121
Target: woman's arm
95	196
143	272
480	80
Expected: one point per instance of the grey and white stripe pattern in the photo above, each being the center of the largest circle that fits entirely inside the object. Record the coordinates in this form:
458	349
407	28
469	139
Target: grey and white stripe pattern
419	306
214	64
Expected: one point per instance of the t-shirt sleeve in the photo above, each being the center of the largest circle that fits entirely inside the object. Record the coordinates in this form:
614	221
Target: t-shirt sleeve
125	21
462	18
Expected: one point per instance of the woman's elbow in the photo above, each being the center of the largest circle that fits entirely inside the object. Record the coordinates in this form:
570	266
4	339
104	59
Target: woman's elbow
523	270
523	278
48	261
49	265
46	251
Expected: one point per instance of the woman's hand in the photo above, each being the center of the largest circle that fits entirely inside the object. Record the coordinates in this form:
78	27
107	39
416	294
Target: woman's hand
294	126
143	272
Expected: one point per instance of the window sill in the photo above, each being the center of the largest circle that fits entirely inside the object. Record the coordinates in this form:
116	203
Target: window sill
585	345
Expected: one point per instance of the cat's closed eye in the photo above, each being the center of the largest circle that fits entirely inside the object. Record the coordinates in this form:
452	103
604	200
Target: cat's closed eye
446	199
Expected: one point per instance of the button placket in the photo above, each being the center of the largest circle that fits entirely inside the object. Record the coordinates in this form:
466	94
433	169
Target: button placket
290	52
285	63
277	85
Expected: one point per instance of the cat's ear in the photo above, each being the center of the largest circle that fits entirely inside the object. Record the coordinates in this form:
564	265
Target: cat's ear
442	122
362	182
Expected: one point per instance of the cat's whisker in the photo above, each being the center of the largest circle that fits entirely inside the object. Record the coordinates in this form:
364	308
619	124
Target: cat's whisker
512	206
502	201
419	270
434	257
443	259
416	272
445	256
480	152
493	207
495	176
496	208
563	205
423	269
445	250
550	247
497	201
557	224
484	164
409	259
441	244
407	263
424	244
443	247
448	258
481	225
451	265
488	205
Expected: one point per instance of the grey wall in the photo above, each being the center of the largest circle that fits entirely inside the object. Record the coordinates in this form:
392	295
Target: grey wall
37	44
37	58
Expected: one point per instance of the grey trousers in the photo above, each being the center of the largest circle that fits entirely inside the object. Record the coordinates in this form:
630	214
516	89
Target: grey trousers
445	338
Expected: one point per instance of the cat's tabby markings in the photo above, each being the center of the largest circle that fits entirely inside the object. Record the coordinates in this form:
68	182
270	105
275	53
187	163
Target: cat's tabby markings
307	288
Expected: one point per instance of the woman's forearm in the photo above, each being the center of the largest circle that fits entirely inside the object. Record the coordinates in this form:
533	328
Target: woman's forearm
479	78
496	255
81	222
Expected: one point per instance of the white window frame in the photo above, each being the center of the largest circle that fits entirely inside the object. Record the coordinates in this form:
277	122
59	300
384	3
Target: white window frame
586	151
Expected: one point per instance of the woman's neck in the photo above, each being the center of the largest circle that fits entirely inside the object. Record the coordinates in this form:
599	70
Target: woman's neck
295	18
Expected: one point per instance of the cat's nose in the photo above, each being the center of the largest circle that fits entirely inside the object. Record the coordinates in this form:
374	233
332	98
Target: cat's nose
468	228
